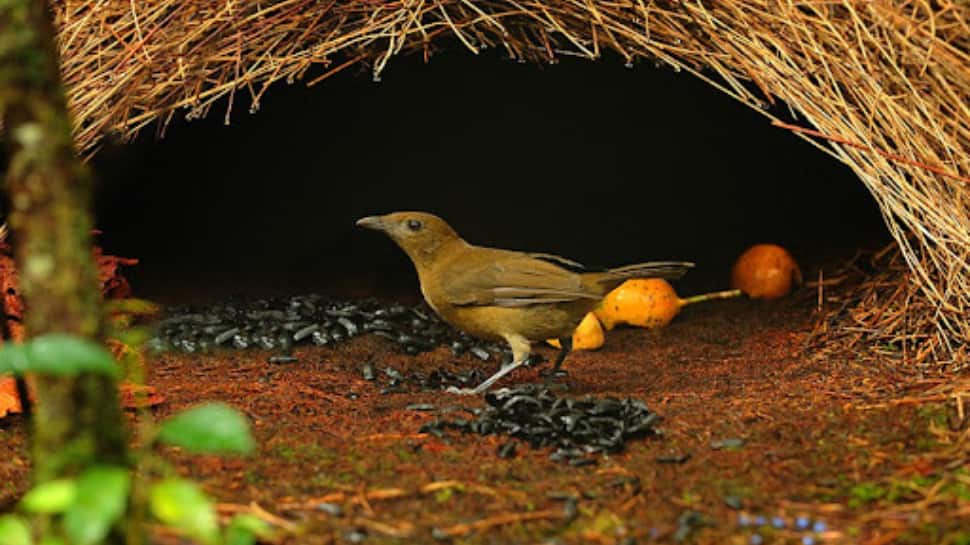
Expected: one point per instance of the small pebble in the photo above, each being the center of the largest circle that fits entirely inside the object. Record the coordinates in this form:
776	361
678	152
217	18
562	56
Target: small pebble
819	526
802	523
808	540
734	502
756	539
778	522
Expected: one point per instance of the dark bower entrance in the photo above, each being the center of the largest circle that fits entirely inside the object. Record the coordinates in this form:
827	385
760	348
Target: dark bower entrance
594	161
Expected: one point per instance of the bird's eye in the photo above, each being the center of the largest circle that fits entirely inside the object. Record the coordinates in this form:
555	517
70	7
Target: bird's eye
414	225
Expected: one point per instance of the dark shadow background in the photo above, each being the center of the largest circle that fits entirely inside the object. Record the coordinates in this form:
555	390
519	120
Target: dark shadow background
594	161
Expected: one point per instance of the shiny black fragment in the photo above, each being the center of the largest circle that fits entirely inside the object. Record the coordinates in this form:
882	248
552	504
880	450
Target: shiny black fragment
506	450
673	458
282	359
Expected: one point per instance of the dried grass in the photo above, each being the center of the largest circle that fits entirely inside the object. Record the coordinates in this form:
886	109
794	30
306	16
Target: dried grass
882	86
877	310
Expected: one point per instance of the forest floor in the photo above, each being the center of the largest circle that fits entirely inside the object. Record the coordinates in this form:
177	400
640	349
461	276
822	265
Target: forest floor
857	448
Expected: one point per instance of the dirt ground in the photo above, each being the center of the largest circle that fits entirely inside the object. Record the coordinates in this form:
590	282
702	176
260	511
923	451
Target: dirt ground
874	451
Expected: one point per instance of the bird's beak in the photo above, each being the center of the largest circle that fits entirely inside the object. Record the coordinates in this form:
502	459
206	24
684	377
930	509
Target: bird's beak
371	222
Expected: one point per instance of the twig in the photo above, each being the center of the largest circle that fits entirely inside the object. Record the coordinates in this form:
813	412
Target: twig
886	154
459	530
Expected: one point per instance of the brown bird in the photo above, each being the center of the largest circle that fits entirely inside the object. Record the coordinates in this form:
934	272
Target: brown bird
493	294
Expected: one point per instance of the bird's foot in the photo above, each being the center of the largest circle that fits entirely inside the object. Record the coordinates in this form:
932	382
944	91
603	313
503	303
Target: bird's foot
484	386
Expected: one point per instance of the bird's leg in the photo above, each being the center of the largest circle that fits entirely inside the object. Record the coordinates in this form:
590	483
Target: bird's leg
520	353
567	346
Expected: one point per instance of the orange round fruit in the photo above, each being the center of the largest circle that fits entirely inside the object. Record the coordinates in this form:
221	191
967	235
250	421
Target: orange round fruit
640	302
765	271
587	336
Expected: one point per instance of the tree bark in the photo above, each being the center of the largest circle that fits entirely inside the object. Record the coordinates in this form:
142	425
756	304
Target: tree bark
77	421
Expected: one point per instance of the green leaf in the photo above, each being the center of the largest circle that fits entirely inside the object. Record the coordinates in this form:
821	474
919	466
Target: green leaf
209	428
102	495
182	505
60	354
50	497
244	529
13	359
14	531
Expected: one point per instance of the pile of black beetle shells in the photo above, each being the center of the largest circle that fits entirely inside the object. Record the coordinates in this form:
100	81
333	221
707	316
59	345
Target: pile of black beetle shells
284	322
576	428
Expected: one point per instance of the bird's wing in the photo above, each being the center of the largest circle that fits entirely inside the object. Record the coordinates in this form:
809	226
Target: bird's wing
512	279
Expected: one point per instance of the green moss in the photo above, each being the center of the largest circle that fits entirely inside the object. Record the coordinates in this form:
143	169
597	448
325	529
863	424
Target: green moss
957	538
933	412
285	452
445	494
866	493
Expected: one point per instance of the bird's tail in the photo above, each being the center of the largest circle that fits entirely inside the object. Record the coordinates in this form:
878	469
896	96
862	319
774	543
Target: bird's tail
670	270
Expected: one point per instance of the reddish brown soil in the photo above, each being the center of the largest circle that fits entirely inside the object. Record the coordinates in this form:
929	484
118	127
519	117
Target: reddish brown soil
813	445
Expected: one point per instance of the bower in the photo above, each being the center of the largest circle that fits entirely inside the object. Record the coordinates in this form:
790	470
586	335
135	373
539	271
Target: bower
880	87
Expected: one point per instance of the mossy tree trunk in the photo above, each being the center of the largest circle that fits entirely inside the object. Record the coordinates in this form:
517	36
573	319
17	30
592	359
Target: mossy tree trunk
76	420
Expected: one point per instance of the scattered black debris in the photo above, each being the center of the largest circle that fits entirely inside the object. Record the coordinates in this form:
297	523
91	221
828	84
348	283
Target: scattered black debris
687	523
576	427
279	323
632	481
733	442
672	458
580	462
283	359
570	509
507	449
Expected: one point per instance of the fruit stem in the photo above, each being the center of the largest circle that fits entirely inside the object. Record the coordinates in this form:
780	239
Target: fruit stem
726	294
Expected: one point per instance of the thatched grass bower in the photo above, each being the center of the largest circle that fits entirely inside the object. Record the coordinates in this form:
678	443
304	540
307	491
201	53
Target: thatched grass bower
883	86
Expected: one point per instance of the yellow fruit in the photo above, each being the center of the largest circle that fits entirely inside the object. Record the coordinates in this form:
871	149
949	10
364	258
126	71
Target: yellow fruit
765	271
588	335
647	302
